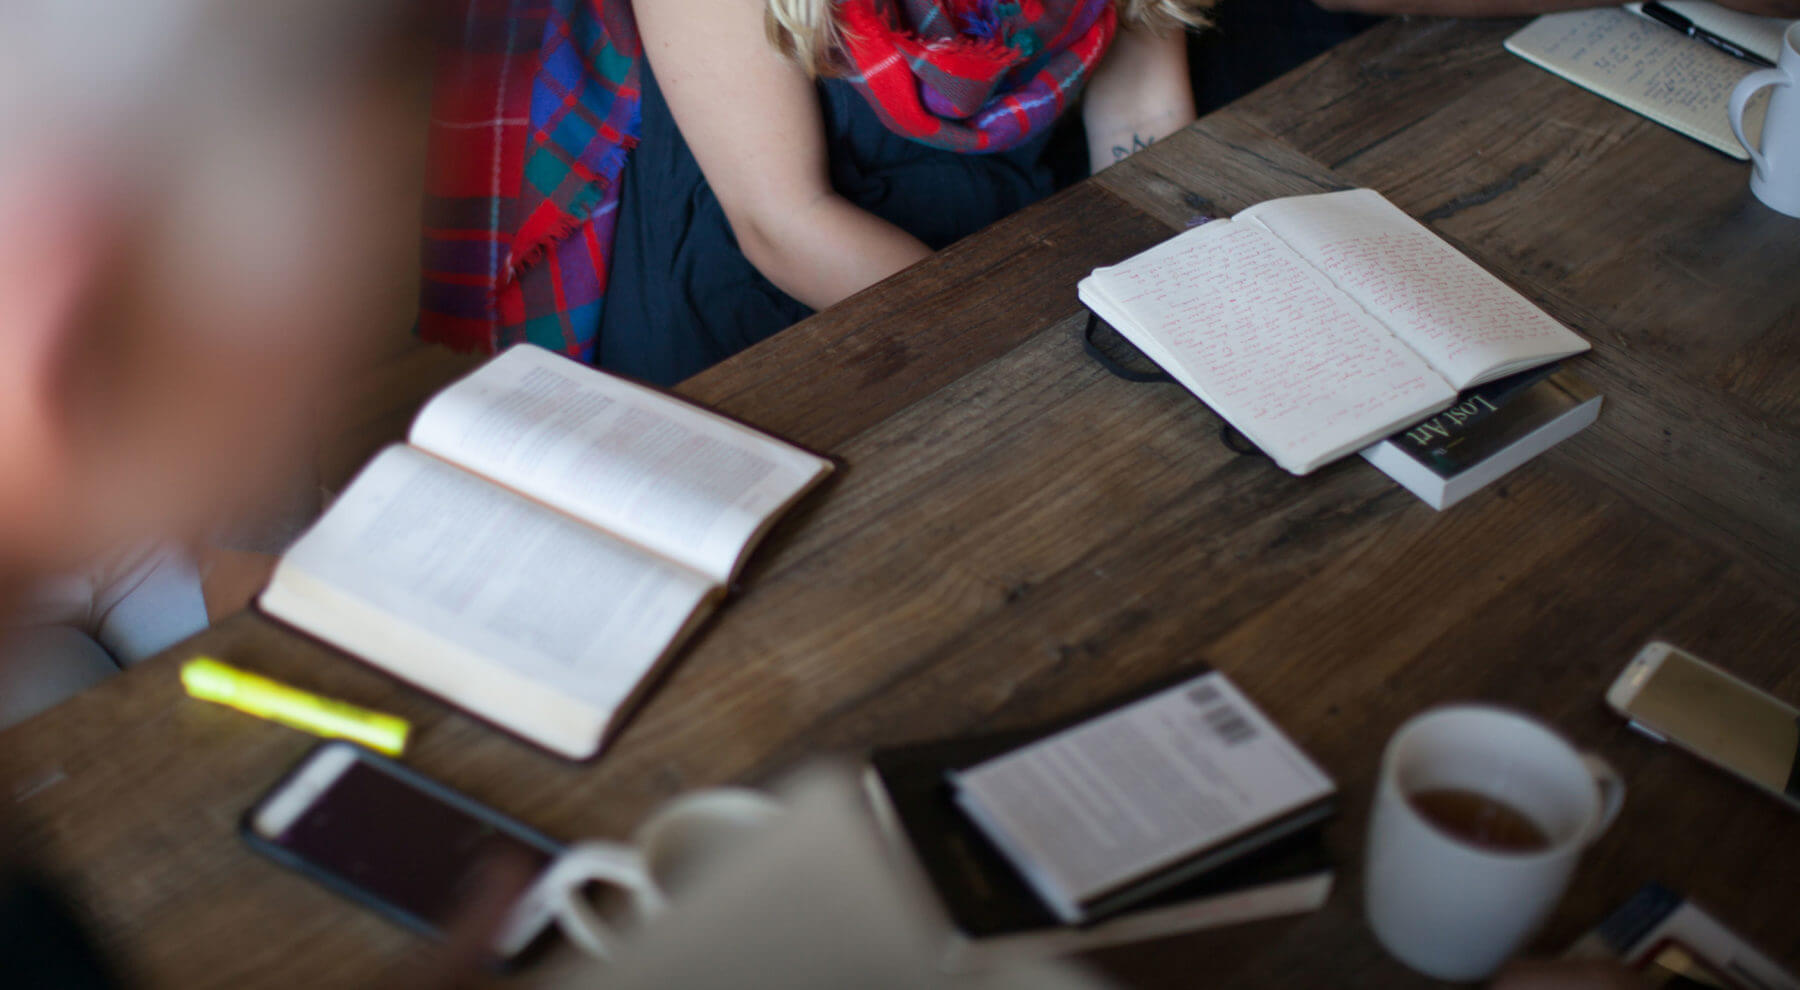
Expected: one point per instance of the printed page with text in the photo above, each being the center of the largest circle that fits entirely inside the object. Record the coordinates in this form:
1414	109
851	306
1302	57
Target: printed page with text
439	554
1138	789
677	479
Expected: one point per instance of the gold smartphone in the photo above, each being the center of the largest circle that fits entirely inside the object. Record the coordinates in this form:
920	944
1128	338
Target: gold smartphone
1673	696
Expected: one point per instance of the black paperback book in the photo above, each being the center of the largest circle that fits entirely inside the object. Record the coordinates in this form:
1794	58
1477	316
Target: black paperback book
1489	431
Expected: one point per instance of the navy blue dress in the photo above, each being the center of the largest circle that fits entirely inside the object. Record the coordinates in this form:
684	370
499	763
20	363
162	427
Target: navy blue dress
681	296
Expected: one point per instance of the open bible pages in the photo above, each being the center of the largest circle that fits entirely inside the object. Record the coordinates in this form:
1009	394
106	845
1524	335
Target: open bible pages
1267	341
510	609
687	484
1470	326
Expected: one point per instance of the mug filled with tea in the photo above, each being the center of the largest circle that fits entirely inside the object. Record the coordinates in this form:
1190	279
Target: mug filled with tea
1480	814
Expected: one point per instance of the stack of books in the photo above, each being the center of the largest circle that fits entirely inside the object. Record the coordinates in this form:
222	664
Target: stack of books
1317	325
1491	430
1322	325
1178	810
1673	942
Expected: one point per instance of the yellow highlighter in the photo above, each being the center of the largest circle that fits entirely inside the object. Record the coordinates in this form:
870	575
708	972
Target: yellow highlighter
210	680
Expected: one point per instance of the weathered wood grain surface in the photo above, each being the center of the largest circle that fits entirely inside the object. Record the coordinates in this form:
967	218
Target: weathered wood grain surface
1016	534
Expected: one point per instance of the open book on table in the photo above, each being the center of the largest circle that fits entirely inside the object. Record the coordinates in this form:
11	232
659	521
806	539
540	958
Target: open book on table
546	537
1317	325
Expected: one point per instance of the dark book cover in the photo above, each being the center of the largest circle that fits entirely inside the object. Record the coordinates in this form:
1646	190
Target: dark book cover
983	894
1489	418
1673	942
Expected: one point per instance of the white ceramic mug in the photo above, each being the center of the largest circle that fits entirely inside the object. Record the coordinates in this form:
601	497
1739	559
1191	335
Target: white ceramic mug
1775	165
1444	905
682	839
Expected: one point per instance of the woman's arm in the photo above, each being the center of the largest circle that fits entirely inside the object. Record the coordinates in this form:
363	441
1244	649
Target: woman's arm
1139	93
754	125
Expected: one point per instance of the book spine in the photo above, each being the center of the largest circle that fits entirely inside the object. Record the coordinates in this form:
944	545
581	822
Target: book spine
1121	900
1294	896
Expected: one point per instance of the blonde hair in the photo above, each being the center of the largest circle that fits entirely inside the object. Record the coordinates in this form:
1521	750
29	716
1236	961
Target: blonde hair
807	32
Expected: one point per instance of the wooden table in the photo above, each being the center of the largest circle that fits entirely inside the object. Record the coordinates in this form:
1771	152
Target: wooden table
1017	534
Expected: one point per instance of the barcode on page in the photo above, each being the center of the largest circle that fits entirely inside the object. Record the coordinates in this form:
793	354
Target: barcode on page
1225	721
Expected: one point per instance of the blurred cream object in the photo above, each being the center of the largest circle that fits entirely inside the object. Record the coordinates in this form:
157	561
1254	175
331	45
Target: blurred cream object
812	899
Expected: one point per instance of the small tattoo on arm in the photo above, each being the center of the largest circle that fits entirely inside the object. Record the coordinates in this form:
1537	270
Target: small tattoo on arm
1138	143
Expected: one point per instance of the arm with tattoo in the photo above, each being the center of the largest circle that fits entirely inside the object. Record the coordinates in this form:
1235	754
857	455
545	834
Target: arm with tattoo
1139	95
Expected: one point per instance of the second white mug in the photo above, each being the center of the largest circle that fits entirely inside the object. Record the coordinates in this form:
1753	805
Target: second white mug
1775	160
682	839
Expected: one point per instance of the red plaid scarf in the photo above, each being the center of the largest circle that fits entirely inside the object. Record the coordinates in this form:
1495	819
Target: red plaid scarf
973	75
534	107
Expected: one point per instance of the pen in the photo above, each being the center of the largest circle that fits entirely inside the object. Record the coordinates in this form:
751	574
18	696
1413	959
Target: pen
210	680
1662	14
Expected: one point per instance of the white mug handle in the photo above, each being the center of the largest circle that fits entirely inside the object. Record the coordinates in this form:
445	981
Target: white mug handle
1740	97
559	894
1612	795
742	806
603	862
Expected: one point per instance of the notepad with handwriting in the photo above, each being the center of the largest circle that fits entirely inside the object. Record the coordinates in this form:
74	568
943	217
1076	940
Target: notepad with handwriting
1319	324
1646	67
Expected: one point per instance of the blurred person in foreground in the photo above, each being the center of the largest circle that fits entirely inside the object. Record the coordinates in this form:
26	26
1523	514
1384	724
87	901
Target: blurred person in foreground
202	206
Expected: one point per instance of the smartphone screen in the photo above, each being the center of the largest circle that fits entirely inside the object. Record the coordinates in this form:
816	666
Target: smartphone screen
391	839
1718	717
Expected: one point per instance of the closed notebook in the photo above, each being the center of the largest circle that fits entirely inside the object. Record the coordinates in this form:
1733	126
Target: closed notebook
1104	816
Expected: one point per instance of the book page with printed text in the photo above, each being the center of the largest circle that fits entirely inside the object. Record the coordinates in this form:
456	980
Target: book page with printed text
515	611
681	481
1138	789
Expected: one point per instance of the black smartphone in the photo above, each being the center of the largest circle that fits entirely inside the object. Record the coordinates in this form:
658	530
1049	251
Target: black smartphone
394	840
